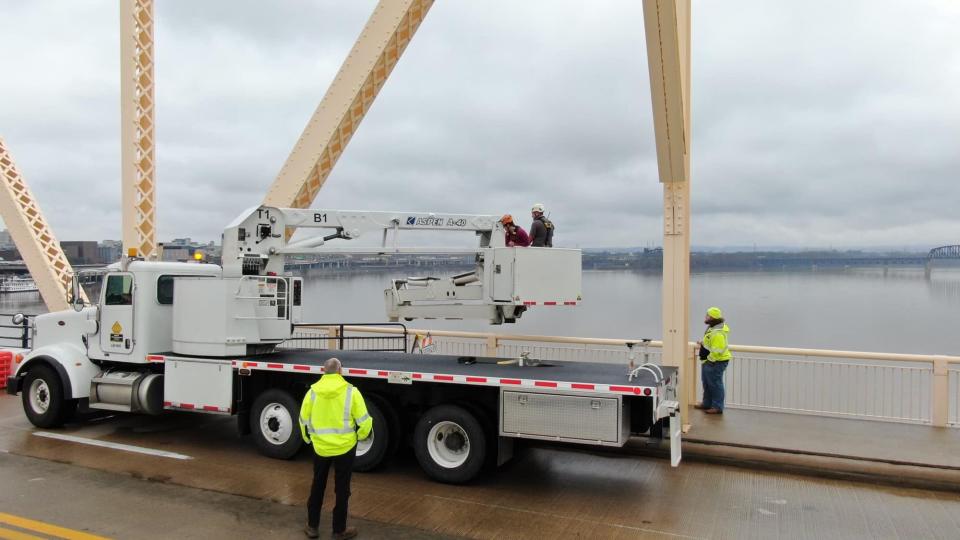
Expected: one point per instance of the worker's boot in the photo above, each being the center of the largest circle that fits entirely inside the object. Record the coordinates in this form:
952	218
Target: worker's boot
700	406
311	532
349	532
714	411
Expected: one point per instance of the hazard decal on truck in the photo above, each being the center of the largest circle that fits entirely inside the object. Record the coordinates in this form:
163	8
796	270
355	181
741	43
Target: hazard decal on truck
116	333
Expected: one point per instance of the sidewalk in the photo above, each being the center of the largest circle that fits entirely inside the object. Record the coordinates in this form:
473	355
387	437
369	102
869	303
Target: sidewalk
885	452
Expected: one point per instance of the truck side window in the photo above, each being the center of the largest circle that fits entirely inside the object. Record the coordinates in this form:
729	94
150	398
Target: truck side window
119	290
165	290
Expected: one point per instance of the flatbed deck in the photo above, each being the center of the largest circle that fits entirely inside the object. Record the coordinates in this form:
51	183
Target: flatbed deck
485	371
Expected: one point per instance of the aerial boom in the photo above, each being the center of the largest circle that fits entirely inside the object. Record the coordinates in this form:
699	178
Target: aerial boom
505	281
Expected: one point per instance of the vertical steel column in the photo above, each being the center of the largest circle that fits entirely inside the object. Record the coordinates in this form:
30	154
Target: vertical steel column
365	70
35	241
667	25
137	127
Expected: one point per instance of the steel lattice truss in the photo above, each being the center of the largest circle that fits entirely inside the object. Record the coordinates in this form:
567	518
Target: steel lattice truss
945	252
383	40
38	246
137	126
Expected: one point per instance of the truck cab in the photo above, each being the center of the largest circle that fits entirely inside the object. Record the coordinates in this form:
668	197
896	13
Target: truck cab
100	351
134	313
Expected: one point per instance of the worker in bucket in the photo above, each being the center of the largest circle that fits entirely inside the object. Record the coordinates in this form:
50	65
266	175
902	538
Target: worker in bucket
541	231
715	357
332	418
515	235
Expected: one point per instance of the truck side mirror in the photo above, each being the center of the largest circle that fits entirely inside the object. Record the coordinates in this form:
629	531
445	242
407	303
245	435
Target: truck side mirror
17	319
74	296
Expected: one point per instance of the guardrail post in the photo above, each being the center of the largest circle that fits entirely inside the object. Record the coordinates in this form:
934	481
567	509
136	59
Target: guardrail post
940	396
333	337
688	380
492	343
25	333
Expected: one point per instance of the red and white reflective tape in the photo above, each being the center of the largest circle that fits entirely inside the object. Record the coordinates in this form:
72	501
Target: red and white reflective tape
455	378
277	366
551	303
196	407
155	358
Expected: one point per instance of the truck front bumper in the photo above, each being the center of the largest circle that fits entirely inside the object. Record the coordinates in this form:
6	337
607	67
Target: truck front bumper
14	384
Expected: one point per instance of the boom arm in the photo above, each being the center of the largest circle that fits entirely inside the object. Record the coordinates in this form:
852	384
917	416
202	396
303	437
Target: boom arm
257	237
505	281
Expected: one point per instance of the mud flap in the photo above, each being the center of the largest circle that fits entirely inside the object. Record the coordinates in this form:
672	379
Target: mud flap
675	436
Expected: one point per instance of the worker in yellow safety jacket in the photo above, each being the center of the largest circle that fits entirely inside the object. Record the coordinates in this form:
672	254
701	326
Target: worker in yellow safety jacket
333	417
715	357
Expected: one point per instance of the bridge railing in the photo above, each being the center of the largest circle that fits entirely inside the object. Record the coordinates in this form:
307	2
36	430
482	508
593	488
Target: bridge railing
911	388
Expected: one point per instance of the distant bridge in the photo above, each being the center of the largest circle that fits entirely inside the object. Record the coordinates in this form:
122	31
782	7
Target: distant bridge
944	252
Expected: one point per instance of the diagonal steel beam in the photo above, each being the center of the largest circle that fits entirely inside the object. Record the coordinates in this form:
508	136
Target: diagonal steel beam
35	241
377	50
138	165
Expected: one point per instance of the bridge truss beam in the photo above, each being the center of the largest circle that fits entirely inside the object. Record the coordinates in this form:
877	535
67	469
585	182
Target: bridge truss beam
667	27
35	241
138	166
373	57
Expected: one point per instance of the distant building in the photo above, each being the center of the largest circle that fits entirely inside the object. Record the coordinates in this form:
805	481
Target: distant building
177	253
110	251
81	251
185	250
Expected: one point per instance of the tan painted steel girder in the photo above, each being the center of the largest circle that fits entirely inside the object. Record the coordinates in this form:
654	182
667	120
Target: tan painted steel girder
667	25
137	138
35	241
384	38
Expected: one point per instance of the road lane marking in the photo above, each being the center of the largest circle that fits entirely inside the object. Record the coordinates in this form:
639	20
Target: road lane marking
7	534
42	528
111	445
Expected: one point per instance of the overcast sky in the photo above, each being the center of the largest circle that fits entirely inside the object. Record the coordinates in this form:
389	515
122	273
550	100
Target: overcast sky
816	123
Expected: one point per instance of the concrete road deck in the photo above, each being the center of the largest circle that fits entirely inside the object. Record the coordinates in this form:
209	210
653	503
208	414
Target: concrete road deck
543	493
88	501
887	442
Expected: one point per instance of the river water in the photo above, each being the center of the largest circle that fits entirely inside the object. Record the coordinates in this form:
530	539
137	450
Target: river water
857	309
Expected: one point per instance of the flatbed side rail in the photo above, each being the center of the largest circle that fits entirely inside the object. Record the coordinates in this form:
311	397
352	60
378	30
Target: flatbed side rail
391	337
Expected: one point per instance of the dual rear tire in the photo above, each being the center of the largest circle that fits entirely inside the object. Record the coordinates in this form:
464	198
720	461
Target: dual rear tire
450	444
449	441
275	425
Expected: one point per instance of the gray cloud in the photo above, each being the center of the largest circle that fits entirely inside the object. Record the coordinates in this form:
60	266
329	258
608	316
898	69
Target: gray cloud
815	123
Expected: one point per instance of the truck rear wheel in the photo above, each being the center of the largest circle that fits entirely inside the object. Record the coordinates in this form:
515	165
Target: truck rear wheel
374	450
43	400
274	421
450	444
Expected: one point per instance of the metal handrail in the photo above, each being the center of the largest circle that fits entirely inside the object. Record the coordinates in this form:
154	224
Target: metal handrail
340	330
26	329
939	390
786	351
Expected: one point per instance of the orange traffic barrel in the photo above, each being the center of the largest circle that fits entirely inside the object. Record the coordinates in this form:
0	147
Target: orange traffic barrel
6	361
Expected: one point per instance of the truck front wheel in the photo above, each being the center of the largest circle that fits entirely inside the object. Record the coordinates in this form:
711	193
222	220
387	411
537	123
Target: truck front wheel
43	400
450	444
274	421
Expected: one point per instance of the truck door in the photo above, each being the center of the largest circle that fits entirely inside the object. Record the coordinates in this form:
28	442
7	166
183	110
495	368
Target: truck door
116	314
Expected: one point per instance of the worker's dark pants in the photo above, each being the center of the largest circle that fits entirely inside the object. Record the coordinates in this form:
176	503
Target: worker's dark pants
342	469
712	376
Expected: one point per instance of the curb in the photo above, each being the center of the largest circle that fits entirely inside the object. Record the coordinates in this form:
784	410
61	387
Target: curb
838	467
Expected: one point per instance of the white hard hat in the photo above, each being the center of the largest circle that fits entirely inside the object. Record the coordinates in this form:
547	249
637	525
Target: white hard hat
537	207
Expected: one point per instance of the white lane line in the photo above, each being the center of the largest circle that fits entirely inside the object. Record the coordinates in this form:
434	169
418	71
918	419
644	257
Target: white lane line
114	446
